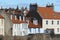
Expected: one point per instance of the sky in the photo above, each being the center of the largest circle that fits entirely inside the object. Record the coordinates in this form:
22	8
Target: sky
25	3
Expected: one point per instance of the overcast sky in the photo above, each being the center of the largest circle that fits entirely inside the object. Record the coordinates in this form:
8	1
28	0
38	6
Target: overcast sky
20	3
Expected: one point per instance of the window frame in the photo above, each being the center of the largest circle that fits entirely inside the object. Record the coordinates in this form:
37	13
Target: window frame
57	22
47	22
52	22
57	29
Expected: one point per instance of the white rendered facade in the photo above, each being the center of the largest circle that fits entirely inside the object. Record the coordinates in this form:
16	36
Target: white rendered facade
20	29
55	25
2	32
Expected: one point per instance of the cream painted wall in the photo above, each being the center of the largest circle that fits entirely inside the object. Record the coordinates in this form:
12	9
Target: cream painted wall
2	27
50	25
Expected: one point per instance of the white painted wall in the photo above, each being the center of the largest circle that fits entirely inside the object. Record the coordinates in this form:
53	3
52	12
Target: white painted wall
36	30
50	26
20	29
2	27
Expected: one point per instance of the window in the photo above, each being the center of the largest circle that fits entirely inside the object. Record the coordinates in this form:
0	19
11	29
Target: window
57	22
52	21
57	29
47	22
30	29
39	30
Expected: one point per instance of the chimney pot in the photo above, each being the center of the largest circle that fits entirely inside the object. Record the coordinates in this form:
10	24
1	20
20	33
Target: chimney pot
11	17
20	18
23	18
15	17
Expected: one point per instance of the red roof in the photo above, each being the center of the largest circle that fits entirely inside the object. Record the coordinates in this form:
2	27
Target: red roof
17	21
1	17
48	13
31	25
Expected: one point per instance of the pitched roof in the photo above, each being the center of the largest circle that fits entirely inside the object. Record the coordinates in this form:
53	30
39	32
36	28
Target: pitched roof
31	25
17	21
45	12
1	17
48	13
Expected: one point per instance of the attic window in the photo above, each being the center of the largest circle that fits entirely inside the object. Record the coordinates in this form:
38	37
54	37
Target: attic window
35	21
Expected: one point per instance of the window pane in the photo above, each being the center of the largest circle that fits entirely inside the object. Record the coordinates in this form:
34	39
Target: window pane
39	30
47	22
57	29
52	21
30	29
57	22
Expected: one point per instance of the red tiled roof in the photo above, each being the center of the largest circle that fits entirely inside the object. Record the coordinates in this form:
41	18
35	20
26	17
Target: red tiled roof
31	25
17	21
1	17
48	13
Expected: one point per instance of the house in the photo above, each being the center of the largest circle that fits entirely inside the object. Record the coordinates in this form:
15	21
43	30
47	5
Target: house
50	19
46	17
35	20
20	27
2	32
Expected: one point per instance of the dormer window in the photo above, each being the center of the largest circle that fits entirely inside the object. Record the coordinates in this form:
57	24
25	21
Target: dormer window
47	22
57	22
35	21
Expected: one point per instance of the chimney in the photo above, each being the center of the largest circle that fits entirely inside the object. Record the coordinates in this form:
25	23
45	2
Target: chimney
50	5
15	17
20	18
25	13
33	7
23	18
11	17
13	12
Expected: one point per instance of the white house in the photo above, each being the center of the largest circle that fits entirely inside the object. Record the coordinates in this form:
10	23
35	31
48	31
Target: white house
50	19
2	32
20	27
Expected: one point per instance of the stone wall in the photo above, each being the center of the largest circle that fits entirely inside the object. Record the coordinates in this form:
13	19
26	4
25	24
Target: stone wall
32	37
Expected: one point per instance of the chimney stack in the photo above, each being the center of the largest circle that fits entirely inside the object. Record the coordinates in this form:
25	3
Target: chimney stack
25	13
23	18
20	18
50	5
15	17
11	17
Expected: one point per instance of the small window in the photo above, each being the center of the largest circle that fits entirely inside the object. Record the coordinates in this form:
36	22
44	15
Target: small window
52	21
57	29
30	29
39	30
57	22
47	22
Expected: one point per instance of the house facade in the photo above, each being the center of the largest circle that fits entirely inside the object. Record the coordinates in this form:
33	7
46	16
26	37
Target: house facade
36	20
52	24
20	27
50	18
2	32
